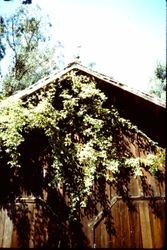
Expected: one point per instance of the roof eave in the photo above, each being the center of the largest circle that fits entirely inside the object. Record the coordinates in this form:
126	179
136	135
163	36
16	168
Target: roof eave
45	81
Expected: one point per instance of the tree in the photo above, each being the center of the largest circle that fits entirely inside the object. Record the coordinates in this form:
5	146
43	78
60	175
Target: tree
2	47
157	84
23	2
27	2
27	35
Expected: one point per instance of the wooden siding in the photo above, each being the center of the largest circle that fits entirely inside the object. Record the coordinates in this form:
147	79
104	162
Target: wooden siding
149	117
133	229
30	222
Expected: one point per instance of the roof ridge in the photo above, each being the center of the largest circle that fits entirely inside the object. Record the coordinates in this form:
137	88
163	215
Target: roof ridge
126	87
76	64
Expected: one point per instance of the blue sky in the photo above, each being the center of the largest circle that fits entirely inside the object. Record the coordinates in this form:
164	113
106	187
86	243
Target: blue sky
125	38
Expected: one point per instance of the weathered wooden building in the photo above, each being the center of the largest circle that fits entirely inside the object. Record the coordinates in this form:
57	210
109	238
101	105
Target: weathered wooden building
38	220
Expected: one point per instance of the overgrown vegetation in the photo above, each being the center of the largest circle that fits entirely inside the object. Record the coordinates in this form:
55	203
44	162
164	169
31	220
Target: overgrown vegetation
86	141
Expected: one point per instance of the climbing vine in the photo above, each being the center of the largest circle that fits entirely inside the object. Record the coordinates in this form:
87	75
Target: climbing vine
86	139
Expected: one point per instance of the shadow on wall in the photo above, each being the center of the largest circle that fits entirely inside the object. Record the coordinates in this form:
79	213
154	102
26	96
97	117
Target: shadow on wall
35	215
31	214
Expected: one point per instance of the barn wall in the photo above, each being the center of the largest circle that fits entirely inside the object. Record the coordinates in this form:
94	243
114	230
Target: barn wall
31	223
138	219
133	229
139	226
149	117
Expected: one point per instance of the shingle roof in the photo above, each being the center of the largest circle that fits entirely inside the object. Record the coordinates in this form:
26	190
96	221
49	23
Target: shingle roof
77	66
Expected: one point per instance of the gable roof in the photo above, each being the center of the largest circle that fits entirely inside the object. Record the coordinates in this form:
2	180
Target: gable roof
77	66
142	109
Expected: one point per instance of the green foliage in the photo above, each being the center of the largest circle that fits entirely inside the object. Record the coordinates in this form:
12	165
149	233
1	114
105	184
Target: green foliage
26	35
152	162
2	47
158	84
160	72
86	139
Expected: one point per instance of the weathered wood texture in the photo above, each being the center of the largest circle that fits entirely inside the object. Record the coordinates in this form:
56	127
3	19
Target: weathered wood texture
142	226
138	220
31	222
133	229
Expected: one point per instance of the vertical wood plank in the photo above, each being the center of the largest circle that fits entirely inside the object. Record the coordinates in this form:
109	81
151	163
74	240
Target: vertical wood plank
8	229
138	234
87	230
127	227
154	184
122	224
31	208
145	225
134	186
162	188
118	238
105	240
154	229
135	228
157	226
15	242
98	236
115	241
163	223
2	222
156	188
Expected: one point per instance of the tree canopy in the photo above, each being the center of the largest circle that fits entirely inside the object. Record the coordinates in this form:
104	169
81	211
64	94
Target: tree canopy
26	36
23	2
158	84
